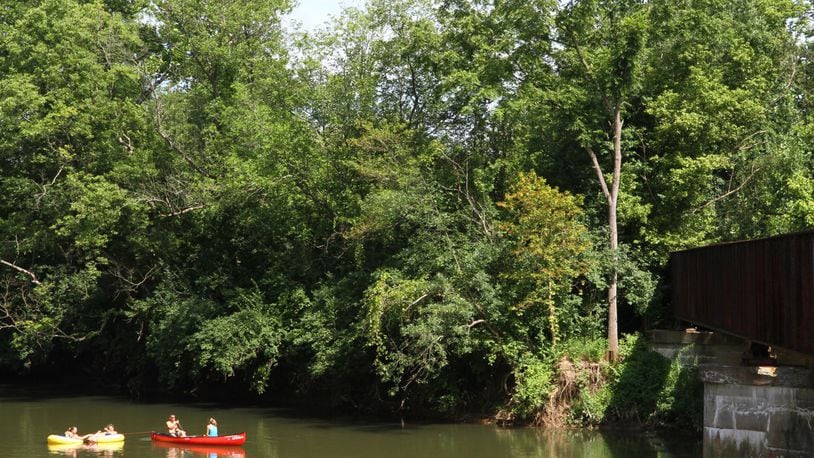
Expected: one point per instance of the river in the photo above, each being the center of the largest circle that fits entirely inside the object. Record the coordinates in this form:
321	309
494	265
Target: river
29	415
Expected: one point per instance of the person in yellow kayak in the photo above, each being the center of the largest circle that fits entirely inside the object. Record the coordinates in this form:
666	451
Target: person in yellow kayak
73	433
174	427
108	430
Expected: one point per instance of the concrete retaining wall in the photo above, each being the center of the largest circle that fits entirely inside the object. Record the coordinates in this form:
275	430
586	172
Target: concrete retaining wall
758	412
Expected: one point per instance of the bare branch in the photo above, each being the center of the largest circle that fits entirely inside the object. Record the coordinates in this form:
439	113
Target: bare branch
788	83
730	192
44	187
418	300
617	153
477	208
125	141
182	211
174	146
118	274
27	272
599	174
589	73
742	144
475	323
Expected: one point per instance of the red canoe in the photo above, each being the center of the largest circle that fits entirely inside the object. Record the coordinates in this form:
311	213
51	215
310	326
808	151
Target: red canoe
210	451
231	439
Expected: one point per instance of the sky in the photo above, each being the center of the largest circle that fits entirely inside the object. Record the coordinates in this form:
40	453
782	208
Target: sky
313	13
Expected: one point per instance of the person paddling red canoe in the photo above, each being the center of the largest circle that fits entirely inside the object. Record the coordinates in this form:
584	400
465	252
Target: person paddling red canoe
174	427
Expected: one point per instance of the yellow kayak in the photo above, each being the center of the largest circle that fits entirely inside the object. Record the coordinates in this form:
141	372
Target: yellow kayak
68	448
62	440
58	439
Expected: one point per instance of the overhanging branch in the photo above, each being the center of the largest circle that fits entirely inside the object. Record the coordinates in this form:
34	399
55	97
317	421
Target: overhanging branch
20	269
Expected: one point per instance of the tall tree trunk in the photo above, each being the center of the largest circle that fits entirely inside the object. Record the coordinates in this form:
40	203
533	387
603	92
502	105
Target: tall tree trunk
613	328
614	109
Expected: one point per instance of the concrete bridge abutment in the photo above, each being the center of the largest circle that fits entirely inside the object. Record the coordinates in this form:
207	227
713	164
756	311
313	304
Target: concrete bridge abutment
760	407
758	411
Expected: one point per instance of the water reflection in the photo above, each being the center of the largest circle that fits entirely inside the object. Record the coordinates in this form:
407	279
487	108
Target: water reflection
186	451
557	443
76	450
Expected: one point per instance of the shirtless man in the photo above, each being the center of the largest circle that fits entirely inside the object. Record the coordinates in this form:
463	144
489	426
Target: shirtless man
174	427
108	430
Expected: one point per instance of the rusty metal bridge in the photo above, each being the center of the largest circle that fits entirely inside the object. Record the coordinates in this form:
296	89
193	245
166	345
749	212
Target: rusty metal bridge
759	290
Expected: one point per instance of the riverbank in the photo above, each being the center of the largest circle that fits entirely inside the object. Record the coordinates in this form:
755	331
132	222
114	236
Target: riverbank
573	388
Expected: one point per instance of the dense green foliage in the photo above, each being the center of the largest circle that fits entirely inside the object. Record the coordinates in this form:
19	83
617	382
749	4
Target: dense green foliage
409	211
644	388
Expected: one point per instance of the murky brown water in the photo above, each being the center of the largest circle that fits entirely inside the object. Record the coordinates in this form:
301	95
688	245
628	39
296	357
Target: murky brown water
28	416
